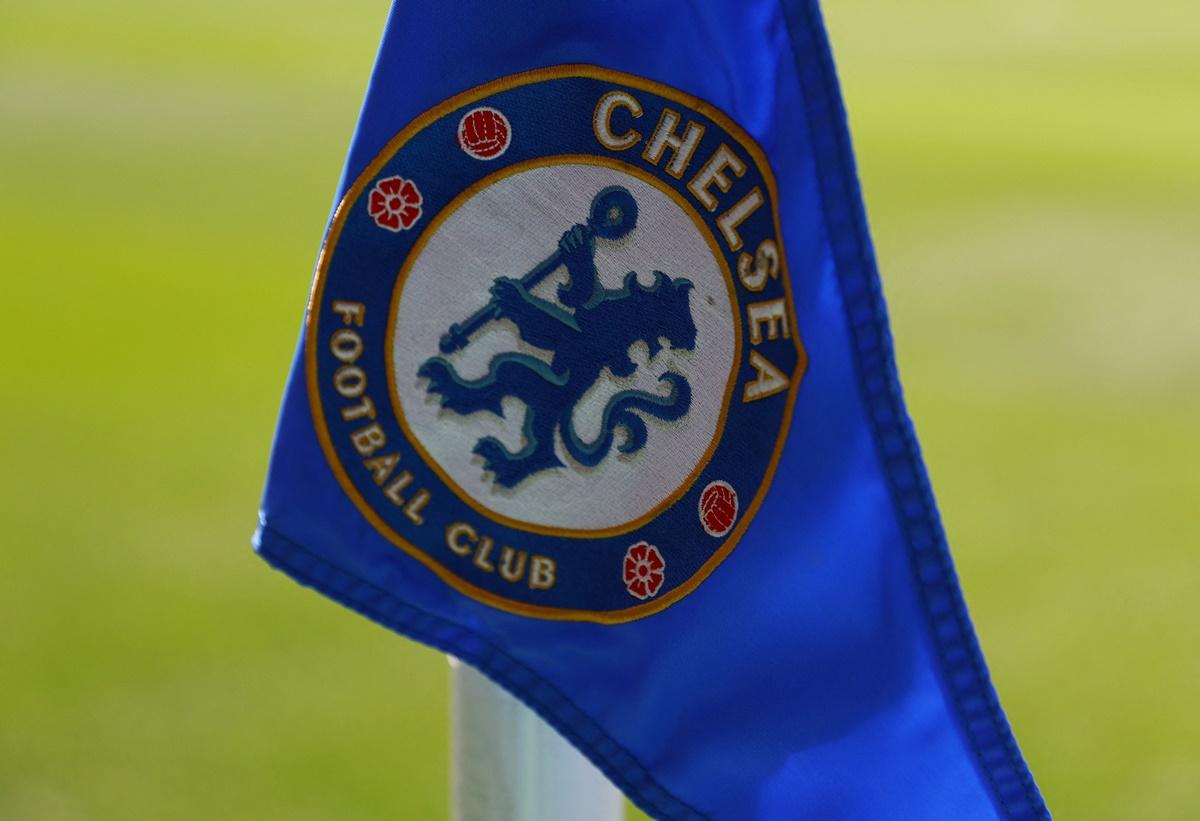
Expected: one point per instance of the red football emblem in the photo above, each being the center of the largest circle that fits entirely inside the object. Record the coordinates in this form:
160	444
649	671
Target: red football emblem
395	203
484	133
718	508
643	570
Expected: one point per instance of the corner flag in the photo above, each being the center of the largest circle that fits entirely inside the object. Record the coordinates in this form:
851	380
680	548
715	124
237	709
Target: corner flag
596	393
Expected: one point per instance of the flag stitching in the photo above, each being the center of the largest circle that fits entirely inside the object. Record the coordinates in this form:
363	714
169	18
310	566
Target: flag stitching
973	694
616	762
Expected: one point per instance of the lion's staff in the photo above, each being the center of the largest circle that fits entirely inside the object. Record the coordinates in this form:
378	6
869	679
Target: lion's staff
613	215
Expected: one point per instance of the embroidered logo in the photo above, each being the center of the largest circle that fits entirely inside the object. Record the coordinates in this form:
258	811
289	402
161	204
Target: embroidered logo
718	508
583	345
572	355
643	570
484	133
395	203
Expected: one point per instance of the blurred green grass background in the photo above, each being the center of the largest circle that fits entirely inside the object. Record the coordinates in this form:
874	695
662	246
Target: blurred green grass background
1032	171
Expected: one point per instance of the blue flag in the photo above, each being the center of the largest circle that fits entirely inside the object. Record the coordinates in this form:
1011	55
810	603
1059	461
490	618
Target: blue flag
596	392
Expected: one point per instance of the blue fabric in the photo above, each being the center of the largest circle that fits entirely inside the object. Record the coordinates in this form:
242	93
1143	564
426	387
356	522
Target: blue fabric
824	671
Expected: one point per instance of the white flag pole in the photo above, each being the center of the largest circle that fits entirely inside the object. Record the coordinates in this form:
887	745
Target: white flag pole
510	765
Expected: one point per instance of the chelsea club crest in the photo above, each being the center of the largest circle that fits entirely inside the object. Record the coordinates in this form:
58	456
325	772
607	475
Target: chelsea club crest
551	348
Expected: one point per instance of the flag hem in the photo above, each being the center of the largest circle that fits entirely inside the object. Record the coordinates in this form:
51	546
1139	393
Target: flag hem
618	764
961	665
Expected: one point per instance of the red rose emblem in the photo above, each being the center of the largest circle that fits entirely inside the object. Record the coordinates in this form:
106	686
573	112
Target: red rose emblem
395	203
643	567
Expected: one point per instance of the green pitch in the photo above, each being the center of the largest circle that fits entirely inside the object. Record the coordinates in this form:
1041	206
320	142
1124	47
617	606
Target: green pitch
1032	171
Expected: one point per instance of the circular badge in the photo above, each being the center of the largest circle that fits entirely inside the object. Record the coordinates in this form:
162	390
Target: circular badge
551	349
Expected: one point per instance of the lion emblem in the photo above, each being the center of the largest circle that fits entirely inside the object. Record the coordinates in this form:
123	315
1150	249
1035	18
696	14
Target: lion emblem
590	330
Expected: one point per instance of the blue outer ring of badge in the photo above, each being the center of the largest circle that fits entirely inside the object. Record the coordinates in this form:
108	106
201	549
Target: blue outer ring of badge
359	264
